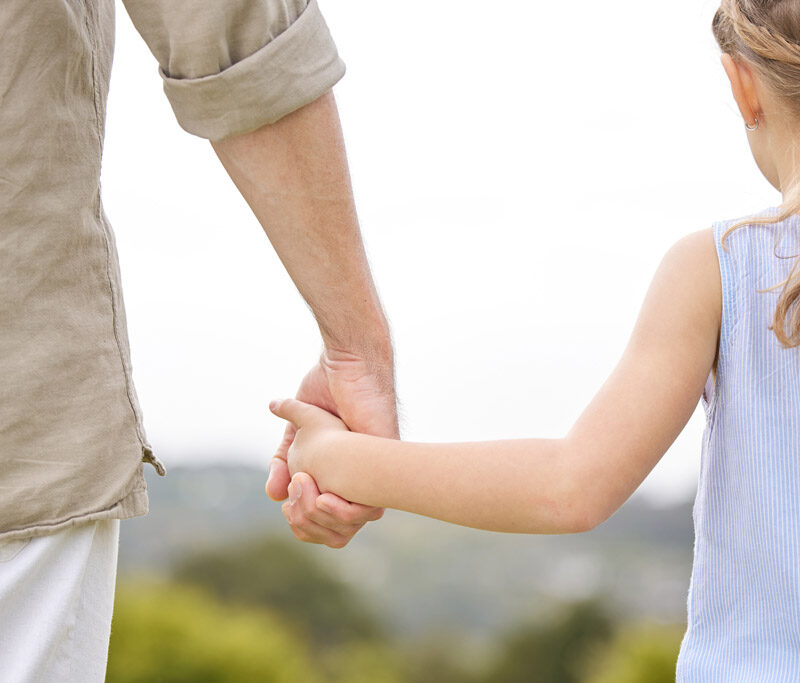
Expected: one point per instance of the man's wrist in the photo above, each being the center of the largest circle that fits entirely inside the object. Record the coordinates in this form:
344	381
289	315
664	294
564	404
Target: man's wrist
370	356
369	340
375	353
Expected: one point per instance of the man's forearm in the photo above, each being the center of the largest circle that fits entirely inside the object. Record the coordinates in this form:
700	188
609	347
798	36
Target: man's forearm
295	178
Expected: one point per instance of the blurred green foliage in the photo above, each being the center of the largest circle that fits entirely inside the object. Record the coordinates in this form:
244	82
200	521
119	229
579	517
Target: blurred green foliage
364	662
440	659
553	651
175	634
172	633
283	576
645	653
267	611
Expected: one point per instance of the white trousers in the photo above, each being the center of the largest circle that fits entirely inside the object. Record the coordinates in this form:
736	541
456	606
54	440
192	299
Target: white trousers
56	601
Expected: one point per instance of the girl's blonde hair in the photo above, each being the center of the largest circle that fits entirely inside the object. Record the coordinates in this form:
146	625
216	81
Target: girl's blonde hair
766	33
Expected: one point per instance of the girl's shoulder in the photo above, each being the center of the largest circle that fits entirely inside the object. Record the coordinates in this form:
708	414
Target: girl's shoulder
694	259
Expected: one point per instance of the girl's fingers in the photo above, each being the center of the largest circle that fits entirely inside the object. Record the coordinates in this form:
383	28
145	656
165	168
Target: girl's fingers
288	436
302	414
296	412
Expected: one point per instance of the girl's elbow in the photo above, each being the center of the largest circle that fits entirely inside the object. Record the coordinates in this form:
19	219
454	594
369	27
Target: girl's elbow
593	513
582	518
581	512
564	514
577	499
589	497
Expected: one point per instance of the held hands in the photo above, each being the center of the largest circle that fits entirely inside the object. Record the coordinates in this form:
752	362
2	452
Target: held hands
359	392
314	432
311	518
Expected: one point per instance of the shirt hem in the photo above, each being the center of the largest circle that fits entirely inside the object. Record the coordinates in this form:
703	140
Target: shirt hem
134	504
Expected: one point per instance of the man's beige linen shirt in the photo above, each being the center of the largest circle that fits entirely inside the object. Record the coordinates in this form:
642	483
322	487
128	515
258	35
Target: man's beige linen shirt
71	437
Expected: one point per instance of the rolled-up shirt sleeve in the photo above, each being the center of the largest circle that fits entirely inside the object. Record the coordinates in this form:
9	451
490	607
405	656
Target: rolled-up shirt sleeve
231	66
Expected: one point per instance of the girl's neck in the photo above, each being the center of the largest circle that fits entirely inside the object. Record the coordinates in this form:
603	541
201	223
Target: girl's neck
782	142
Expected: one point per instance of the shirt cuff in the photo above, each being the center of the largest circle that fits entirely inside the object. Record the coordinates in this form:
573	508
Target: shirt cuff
292	70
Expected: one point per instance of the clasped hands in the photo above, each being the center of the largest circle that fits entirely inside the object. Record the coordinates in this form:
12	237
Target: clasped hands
358	394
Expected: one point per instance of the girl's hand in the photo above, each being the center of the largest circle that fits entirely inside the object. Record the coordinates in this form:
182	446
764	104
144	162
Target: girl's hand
313	432
316	429
361	393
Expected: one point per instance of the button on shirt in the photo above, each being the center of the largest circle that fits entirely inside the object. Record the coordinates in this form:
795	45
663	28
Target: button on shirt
72	441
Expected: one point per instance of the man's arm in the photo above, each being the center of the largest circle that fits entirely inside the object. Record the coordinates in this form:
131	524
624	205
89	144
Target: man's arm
254	76
294	176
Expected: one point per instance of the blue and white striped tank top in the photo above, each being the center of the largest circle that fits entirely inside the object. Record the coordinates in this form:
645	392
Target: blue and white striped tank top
744	597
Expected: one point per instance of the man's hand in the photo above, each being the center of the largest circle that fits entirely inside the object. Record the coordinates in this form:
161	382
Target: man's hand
360	391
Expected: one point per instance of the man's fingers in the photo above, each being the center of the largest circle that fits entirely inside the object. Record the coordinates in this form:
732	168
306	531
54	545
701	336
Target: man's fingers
311	532
303	486
278	480
343	518
347	512
303	492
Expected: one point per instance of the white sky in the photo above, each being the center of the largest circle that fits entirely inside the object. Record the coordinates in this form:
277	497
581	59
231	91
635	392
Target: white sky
519	175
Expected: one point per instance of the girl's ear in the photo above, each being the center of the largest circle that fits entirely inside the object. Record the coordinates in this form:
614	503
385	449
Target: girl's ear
744	88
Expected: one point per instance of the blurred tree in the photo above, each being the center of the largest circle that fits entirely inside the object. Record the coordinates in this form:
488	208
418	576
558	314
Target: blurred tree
637	654
364	662
283	576
553	652
164	633
442	657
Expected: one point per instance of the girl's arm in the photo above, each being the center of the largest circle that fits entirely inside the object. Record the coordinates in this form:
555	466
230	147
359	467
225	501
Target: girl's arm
561	485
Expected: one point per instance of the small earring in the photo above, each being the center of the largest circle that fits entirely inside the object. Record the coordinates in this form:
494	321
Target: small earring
753	126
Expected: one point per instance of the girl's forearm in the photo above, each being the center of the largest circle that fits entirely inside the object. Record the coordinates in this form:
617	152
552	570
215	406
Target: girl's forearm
525	486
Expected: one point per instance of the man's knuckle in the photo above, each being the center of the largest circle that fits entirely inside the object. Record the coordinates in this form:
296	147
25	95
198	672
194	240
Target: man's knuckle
303	535
350	516
295	518
338	529
302	523
312	515
311	510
